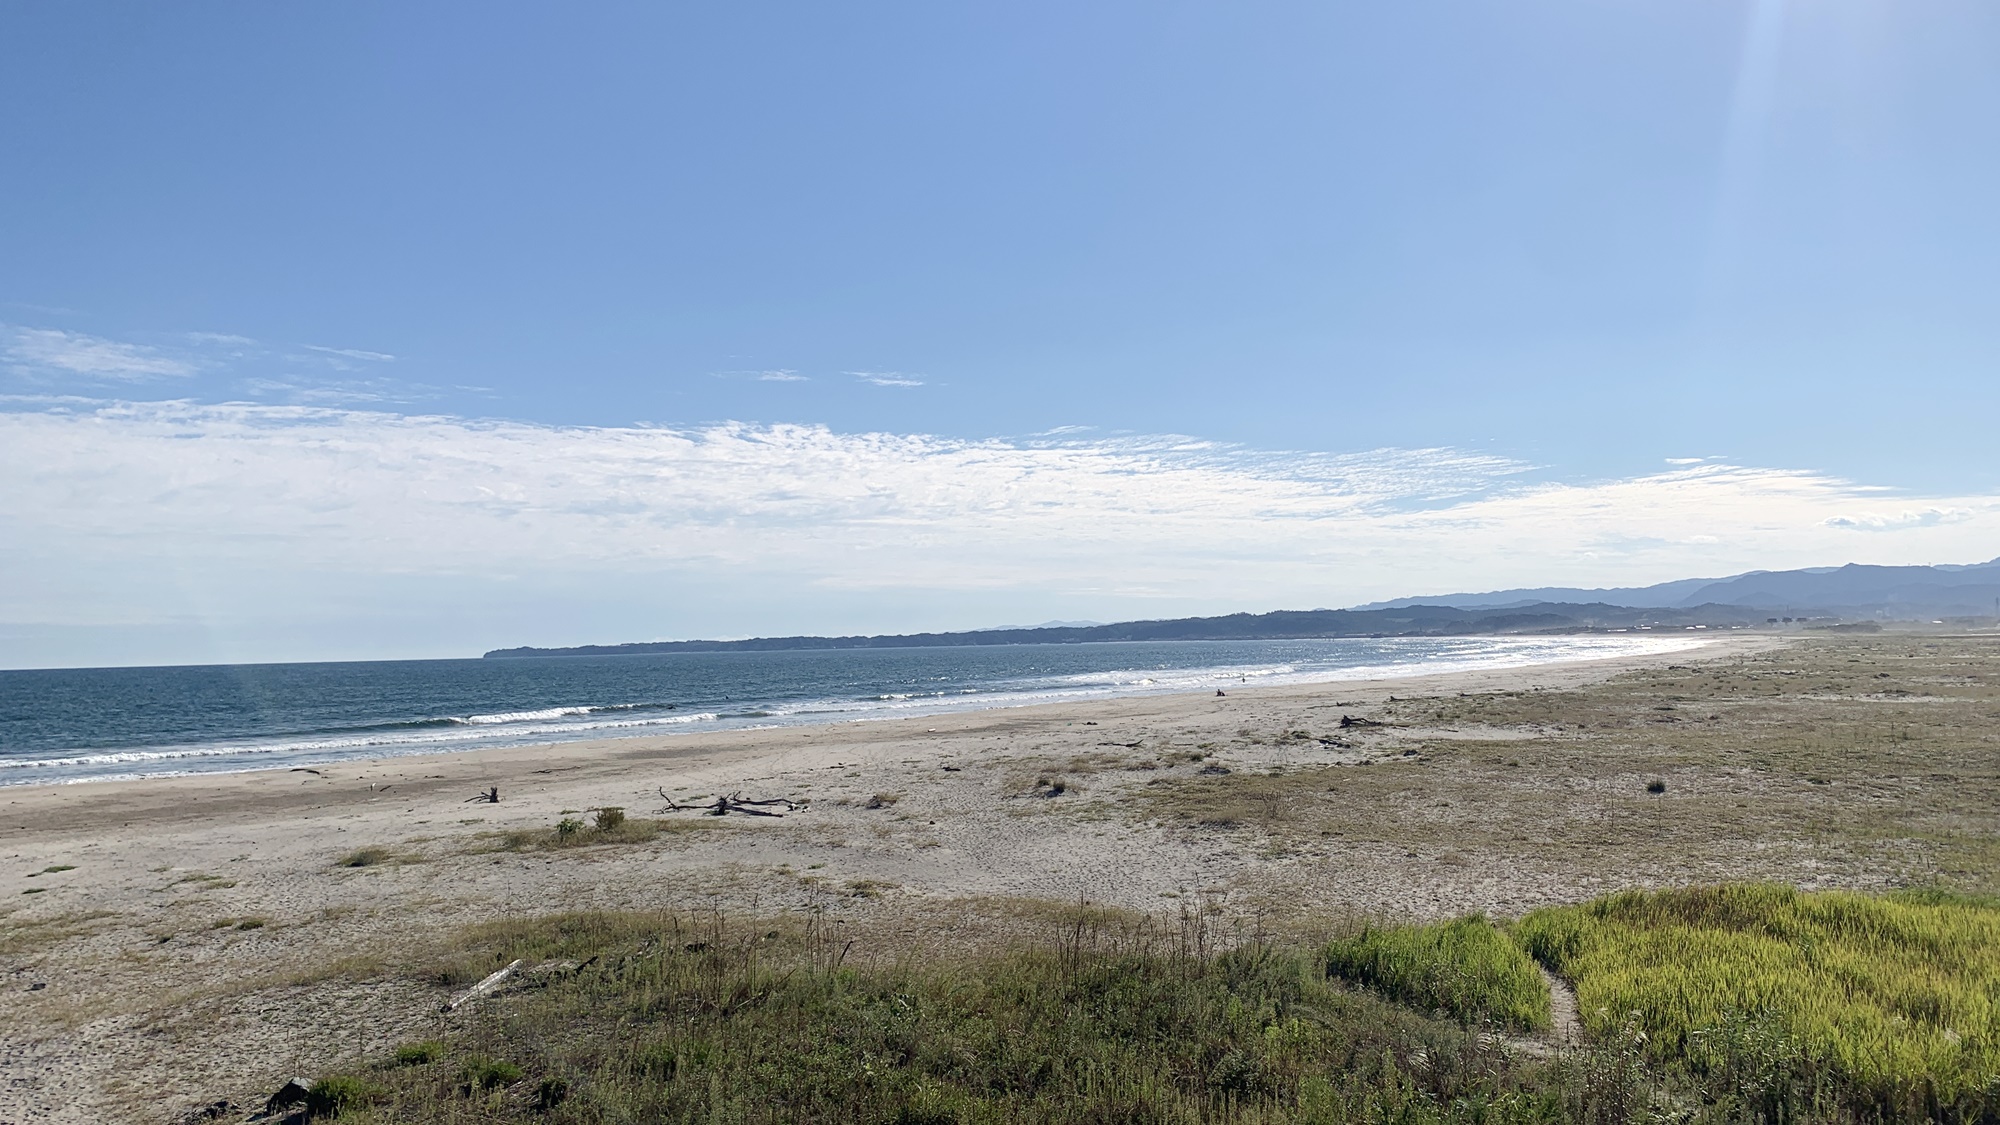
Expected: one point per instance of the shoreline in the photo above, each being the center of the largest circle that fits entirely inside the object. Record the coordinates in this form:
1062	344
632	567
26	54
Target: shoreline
32	808
301	757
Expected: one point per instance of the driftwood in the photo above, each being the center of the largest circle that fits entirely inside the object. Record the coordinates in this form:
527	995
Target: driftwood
733	803
483	987
1348	721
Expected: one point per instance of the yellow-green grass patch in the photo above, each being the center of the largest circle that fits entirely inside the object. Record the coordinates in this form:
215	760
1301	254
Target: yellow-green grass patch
1895	1000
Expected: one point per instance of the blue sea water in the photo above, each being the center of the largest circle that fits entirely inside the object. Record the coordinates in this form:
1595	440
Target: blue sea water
100	723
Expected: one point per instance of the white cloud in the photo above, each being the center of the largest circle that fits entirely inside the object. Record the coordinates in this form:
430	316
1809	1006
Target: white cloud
1900	521
175	511
887	378
352	353
42	350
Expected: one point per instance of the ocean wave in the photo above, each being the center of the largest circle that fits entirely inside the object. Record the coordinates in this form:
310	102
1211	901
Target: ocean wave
523	716
384	742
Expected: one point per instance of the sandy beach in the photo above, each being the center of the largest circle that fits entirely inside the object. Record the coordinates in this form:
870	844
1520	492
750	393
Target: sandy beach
176	939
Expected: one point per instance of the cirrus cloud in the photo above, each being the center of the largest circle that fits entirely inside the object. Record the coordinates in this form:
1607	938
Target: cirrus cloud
33	351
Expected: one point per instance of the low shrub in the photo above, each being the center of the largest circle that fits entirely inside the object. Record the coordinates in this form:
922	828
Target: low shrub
419	1054
483	1073
341	1093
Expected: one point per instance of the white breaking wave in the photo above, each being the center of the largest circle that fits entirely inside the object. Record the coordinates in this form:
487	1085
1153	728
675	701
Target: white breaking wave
525	716
407	741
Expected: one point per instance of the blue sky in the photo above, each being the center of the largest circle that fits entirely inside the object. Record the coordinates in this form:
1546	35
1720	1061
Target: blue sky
1564	247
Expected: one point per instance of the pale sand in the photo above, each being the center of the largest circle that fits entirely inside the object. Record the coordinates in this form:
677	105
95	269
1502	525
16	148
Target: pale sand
149	1005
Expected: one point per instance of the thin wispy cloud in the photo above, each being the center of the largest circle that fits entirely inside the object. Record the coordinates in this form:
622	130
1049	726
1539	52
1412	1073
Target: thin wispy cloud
352	353
887	378
33	351
780	375
340	392
1900	521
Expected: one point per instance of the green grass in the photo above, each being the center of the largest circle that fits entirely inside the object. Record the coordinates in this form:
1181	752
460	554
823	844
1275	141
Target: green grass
1883	1005
419	1054
692	1020
1744	1003
1466	969
341	1095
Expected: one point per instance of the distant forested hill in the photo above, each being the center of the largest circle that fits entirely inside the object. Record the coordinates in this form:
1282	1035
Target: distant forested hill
1406	621
1856	590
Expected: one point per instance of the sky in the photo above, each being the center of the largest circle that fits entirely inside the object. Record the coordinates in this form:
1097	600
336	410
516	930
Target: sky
411	330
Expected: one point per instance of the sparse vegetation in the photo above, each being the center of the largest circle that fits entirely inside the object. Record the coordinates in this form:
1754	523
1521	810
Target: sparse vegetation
1810	766
365	857
570	832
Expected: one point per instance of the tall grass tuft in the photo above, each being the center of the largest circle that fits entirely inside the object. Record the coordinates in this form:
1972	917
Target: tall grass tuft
1794	1001
1466	968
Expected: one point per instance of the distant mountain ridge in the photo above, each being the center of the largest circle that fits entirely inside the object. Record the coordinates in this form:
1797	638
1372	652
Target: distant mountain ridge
1412	621
1854	589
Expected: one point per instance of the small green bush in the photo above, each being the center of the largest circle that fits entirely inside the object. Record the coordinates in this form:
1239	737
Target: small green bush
1465	968
339	1093
419	1054
609	818
568	828
483	1073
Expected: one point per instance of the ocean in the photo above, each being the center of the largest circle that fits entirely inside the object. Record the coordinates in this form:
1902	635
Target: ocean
68	725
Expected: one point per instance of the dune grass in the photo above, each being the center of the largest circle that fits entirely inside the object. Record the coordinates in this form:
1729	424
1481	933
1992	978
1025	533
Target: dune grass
1885	1006
1466	969
1744	1003
652	1019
